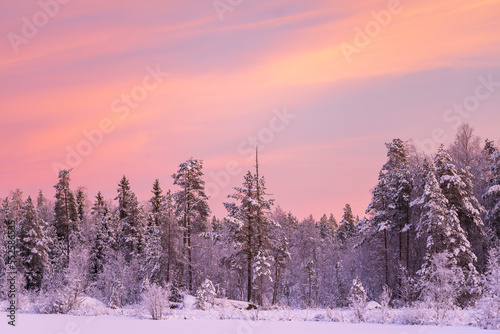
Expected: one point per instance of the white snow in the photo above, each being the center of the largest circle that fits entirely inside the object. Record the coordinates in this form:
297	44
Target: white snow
67	324
189	302
373	305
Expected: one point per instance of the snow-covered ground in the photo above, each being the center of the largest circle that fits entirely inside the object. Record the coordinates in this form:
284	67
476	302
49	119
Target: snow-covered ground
68	324
228	316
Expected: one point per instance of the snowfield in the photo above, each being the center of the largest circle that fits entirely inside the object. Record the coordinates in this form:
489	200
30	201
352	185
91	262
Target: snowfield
68	324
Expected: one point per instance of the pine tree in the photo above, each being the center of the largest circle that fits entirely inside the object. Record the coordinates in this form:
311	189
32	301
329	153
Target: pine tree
33	246
132	225
124	197
17	205
104	238
157	203
191	206
440	227
205	295
457	188
42	207
327	228
280	250
65	210
170	236
249	228
80	203
333	223
357	299
153	238
390	206
347	229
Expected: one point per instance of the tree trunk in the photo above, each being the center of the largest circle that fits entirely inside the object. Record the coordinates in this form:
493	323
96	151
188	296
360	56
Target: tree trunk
386	259
276	285
190	260
408	251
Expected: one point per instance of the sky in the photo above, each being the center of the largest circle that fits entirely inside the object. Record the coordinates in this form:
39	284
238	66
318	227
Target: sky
134	88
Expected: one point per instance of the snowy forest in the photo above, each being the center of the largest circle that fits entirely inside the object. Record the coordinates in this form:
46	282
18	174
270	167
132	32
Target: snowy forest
428	239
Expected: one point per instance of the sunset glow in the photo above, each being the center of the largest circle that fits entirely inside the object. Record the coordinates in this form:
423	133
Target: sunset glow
136	87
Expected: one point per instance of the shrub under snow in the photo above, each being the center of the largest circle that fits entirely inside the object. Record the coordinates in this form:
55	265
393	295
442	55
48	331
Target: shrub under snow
155	299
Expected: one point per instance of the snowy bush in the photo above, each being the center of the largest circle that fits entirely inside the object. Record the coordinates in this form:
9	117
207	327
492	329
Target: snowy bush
357	299
488	308
66	299
385	298
488	313
155	299
410	316
205	295
441	284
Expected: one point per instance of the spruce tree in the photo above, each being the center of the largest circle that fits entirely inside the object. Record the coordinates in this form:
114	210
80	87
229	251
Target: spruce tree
104	237
347	229
33	246
440	227
132	226
457	188
65	211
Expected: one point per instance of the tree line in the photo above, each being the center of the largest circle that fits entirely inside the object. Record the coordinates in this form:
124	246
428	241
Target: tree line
432	219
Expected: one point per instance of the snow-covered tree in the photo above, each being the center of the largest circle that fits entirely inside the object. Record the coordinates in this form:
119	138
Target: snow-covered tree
205	295
153	254
390	208
43	207
466	146
327	228
170	237
357	299
488	308
132	223
458	190
155	299
441	284
80	203
440	227
192	207
17	205
104	239
347	227
115	301
280	250
33	246
492	194
385	299
65	210
249	228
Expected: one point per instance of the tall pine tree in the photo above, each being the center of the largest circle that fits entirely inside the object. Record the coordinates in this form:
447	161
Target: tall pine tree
65	211
192	208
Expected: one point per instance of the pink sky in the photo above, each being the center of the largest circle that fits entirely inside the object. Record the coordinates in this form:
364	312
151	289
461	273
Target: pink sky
226	78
